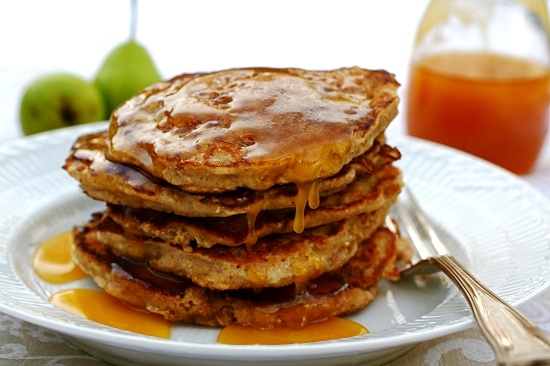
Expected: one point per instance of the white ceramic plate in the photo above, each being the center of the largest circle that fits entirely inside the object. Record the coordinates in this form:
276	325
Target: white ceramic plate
496	224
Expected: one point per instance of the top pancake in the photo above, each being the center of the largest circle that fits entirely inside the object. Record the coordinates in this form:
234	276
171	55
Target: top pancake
252	128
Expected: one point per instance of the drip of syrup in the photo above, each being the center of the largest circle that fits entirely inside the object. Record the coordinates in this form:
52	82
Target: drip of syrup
307	193
103	308
52	260
332	328
251	216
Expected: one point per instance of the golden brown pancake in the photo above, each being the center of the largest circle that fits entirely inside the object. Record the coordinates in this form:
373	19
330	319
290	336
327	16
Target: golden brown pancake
274	261
252	128
207	180
123	185
367	193
335	293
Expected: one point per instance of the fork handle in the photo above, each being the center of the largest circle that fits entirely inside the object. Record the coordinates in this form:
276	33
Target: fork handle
514	338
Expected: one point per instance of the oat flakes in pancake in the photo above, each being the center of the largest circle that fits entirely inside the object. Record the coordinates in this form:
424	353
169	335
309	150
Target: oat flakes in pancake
177	299
120	184
274	261
252	128
367	193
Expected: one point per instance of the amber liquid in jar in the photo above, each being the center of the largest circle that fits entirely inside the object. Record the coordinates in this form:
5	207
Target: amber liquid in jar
491	106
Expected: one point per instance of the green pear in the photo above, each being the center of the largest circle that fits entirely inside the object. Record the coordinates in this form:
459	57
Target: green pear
59	100
125	71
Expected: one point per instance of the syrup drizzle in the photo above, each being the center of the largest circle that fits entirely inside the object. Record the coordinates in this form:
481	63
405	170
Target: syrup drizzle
251	216
308	192
307	195
200	110
302	125
314	200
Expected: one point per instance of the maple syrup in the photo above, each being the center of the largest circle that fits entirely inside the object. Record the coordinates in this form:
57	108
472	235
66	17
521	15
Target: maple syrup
491	106
252	128
480	79
52	260
98	306
329	329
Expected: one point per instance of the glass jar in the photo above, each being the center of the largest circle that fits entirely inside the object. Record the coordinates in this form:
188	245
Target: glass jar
480	81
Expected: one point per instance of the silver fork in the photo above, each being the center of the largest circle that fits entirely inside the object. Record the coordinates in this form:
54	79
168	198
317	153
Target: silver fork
514	338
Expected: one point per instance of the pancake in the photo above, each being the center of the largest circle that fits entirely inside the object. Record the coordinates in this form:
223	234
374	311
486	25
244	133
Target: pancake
367	193
120	184
252	196
274	261
339	292
252	128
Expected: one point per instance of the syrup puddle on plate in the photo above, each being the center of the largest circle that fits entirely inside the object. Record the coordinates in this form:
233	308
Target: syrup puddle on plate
52	260
332	328
52	263
103	308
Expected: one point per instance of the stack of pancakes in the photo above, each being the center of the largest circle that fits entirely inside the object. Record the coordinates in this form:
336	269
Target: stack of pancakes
251	196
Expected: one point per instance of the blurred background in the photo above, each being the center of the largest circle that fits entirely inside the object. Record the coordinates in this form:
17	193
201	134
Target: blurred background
38	37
